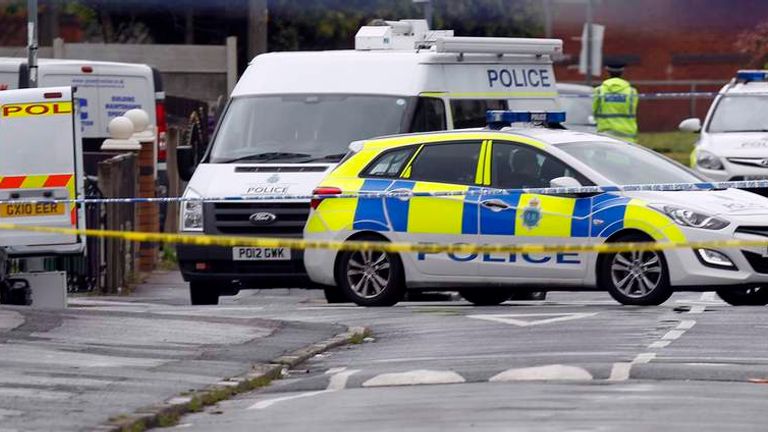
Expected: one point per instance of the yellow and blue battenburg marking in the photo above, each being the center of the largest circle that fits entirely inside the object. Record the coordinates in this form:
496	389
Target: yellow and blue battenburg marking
598	216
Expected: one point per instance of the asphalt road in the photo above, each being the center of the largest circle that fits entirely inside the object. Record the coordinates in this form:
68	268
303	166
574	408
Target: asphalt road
576	362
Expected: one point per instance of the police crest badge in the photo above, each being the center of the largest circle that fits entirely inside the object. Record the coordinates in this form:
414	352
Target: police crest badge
532	214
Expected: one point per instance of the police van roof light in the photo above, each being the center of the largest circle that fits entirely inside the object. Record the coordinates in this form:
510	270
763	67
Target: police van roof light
498	45
497	119
751	75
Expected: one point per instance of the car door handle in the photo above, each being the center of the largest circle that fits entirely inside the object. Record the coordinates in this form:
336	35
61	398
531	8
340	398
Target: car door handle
495	205
401	194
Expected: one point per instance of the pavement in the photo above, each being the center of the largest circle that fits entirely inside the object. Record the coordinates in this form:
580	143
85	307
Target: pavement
105	357
575	362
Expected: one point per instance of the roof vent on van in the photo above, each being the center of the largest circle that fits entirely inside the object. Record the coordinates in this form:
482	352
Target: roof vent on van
415	34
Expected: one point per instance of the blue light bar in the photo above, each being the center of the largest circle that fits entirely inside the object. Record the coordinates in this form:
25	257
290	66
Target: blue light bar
497	117
751	75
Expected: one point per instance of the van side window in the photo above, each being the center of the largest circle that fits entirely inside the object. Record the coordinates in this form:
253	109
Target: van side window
516	166
470	113
447	163
389	164
429	115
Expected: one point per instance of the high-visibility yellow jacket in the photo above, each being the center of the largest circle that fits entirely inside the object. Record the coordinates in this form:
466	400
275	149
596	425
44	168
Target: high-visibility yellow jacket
615	109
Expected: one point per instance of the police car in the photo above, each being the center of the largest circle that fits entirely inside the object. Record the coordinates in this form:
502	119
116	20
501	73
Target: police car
734	136
484	161
292	115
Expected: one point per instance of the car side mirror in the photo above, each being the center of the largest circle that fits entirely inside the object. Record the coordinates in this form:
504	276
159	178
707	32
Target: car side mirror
692	125
564	182
185	162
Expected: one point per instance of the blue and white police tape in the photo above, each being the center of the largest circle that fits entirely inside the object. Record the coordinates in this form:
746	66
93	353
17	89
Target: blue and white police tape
669	95
405	194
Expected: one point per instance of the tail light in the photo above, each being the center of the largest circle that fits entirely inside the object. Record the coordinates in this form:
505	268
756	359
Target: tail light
323	191
162	129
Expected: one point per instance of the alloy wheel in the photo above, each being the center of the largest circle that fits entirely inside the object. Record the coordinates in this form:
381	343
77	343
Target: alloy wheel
636	274
368	273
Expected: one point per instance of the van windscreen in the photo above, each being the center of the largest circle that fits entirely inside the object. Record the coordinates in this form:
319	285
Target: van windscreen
303	127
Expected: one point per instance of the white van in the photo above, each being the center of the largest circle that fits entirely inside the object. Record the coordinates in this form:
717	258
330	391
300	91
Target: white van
292	116
105	90
41	159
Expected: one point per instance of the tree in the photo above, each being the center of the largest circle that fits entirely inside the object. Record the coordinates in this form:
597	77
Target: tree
754	43
332	24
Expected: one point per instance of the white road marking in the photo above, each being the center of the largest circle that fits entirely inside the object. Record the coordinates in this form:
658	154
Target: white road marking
697	309
268	403
338	382
9	320
673	334
520	321
686	325
659	344
543	373
708	296
415	377
621	371
332	371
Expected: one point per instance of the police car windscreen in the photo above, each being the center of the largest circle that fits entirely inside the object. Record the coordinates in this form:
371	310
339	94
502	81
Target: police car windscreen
740	113
628	164
311	126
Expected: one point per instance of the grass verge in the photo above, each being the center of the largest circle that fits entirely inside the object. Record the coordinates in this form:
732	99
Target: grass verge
675	145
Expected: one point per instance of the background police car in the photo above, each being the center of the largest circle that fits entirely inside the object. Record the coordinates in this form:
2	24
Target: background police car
449	162
734	136
293	114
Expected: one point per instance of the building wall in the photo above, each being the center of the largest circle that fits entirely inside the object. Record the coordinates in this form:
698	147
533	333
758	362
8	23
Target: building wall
664	40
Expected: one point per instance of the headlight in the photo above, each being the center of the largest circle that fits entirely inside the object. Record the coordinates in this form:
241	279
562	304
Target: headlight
192	216
707	160
690	218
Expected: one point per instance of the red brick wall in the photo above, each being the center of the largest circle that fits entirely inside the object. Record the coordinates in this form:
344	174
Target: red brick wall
664	40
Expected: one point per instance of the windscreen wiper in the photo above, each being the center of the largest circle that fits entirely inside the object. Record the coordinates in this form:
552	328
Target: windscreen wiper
268	156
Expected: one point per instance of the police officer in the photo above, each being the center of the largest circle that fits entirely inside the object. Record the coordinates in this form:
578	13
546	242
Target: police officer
615	105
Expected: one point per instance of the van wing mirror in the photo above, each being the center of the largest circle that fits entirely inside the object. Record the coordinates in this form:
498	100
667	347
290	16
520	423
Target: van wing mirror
692	125
564	182
185	162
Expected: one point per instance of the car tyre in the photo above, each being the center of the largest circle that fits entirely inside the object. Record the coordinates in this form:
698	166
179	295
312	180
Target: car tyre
750	296
202	293
485	296
334	295
371	278
634	278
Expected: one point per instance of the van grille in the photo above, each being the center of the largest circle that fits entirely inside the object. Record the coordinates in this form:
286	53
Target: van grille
234	219
280	169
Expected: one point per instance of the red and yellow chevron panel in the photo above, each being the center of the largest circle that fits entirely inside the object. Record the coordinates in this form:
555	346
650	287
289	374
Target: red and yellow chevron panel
43	181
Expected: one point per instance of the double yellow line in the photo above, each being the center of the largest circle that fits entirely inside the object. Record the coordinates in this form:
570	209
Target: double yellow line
397	247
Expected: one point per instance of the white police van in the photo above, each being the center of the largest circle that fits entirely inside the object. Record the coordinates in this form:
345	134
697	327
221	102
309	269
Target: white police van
292	116
734	136
105	90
